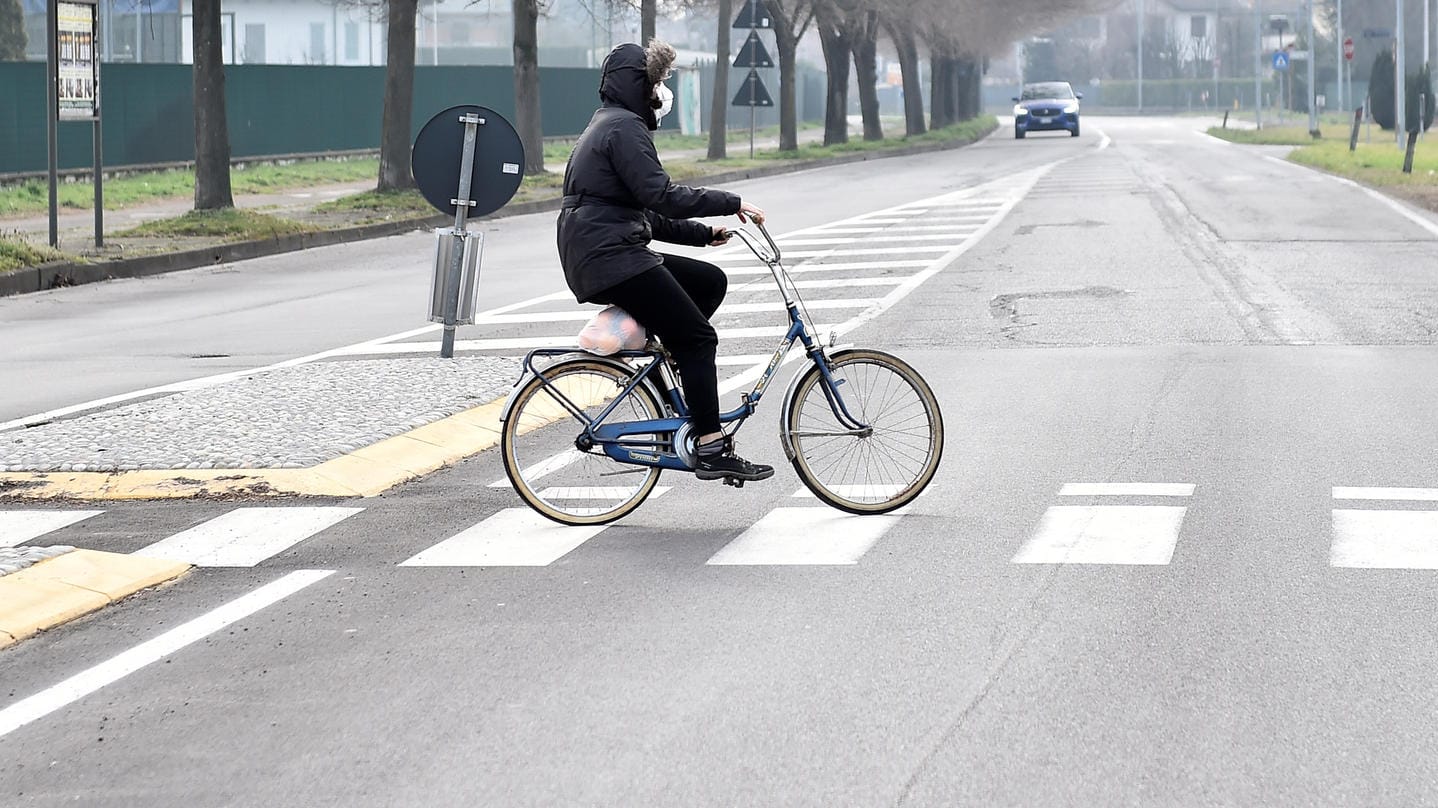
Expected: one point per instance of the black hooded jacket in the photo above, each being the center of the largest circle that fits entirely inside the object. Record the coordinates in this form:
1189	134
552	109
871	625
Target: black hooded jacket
617	196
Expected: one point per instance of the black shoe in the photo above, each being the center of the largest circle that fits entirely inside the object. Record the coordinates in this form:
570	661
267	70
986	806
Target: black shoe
725	465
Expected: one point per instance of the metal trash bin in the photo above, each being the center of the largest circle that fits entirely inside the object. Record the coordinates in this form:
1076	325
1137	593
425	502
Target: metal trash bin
445	245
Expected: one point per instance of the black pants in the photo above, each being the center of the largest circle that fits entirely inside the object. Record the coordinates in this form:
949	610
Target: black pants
675	301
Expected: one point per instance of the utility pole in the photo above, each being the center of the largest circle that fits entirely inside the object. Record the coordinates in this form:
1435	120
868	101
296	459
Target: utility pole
1140	56
1312	59
1400	70
1258	64
1338	54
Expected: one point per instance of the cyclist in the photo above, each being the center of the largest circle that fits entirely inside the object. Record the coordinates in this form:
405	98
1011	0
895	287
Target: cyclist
617	198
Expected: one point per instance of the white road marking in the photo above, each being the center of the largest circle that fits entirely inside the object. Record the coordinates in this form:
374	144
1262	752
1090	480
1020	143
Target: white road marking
903	237
514	537
728	308
22	526
1392	494
805	536
1126	490
246	536
857	492
581	493
112	670
828	267
1104	534
1367	539
876	251
222	378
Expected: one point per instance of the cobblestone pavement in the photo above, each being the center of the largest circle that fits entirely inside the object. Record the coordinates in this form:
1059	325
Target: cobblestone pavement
293	417
14	559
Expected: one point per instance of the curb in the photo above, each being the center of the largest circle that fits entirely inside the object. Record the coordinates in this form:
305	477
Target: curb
58	590
59	274
365	472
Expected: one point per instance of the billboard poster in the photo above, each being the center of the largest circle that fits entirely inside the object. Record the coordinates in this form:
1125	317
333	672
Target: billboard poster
77	64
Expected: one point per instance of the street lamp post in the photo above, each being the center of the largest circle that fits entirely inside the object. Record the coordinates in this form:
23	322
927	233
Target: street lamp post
1338	54
1312	58
1258	64
1400	70
1140	56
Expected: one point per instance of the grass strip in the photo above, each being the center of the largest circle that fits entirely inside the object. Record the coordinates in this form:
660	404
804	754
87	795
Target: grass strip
33	196
228	224
15	254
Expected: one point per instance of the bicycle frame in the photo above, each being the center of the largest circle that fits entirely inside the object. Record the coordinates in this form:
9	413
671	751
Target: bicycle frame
618	440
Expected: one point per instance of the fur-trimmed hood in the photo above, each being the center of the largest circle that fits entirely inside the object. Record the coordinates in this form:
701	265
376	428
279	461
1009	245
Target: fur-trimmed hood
629	75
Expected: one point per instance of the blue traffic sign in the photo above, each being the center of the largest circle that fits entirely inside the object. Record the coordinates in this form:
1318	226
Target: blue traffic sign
1280	60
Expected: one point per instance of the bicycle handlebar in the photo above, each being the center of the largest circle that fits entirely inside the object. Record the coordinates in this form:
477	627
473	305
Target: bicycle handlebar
770	254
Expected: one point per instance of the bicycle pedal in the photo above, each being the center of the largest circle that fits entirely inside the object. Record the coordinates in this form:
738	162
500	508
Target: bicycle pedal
734	481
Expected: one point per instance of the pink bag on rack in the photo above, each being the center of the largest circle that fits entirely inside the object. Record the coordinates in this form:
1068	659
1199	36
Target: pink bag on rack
612	330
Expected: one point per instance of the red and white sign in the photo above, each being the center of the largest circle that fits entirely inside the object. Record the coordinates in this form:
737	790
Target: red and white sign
1348	48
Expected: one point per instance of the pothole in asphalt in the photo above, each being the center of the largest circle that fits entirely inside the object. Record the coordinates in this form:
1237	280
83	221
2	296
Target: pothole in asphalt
1007	305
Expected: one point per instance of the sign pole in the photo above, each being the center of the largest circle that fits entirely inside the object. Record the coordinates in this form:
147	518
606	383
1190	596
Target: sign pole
52	112
1258	64
1338	42
462	204
1312	94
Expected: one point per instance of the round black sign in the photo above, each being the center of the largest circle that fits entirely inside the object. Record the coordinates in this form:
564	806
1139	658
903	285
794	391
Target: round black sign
498	160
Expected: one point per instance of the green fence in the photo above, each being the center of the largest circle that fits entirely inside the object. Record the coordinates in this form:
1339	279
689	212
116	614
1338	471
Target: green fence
272	109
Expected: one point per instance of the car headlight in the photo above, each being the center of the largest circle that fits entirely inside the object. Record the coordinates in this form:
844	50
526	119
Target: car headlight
1071	108
1020	112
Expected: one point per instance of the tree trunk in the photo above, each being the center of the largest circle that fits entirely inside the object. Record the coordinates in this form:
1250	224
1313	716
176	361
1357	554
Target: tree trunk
395	122
865	44
940	114
787	41
526	84
836	67
212	132
969	88
913	87
648	11
719	106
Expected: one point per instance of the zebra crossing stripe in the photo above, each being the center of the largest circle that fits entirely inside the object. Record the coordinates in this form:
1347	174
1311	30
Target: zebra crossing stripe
804	536
1104	534
1366	539
1393	494
24	525
246	536
514	537
1127	490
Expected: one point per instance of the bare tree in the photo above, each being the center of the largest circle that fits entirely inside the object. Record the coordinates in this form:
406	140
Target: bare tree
395	126
719	105
526	84
829	19
212	131
648	12
791	20
864	44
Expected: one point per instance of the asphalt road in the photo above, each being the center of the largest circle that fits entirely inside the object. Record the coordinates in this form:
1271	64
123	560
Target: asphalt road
1181	549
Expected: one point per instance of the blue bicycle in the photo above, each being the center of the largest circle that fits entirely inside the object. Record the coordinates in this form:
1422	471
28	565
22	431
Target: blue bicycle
585	437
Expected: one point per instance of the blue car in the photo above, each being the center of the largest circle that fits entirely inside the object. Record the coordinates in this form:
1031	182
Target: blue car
1047	106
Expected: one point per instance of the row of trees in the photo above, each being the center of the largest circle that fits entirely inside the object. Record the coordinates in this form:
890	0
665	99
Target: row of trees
958	36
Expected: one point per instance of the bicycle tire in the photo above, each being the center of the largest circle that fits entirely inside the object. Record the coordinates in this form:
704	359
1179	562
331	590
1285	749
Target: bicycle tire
533	435
912	447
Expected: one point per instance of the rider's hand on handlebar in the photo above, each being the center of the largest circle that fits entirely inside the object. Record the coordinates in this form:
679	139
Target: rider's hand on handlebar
721	237
748	212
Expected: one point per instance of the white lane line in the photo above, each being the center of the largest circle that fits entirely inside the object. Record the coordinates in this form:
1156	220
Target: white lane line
856	492
1126	490
1104	534
1391	494
112	670
514	537
730	308
1385	539
805	536
222	378
847	283
954	221
917	248
1398	207
557	341
610	493
742	359
246	536
903	237
22	526
845	266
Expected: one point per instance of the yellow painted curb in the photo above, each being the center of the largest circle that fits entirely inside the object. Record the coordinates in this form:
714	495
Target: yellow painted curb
58	590
368	471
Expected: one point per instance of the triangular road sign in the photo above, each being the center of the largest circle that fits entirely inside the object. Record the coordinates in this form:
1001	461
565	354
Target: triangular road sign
754	14
752	93
753	53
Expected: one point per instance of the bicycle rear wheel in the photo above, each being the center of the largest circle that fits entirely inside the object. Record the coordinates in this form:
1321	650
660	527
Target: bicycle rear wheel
878	472
546	467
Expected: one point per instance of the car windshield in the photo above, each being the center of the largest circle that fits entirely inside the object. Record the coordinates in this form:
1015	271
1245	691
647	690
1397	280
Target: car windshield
1053	89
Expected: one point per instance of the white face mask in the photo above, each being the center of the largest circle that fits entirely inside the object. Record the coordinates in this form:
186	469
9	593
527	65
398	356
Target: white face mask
666	101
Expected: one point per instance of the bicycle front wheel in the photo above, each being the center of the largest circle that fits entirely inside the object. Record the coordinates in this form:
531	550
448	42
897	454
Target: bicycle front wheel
548	470
871	473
